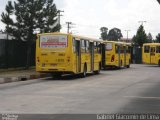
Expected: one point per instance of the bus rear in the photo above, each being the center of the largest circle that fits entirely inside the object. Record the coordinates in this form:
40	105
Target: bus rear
53	53
110	54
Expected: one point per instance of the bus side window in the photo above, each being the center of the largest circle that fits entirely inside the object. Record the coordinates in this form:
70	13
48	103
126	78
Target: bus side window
95	47
129	49
99	47
122	49
152	49
74	45
146	49
87	46
158	49
116	49
83	46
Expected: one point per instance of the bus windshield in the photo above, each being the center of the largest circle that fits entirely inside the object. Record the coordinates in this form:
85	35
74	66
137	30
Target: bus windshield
53	41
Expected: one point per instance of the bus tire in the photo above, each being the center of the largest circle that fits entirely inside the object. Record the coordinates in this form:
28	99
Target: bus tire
84	74
128	66
159	63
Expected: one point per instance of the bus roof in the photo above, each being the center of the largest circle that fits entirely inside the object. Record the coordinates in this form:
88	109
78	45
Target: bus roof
151	44
117	42
76	36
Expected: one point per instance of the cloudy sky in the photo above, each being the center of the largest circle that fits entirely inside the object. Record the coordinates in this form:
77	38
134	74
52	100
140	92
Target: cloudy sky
88	16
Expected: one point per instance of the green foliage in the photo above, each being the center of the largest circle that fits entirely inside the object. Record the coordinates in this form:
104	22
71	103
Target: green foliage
158	38
114	34
140	38
149	38
104	32
6	19
50	13
30	15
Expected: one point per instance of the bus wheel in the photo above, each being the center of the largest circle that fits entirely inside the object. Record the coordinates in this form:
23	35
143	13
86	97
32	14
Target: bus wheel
128	66
83	75
159	63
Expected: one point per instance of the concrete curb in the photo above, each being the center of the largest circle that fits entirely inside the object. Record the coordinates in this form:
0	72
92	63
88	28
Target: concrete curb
22	78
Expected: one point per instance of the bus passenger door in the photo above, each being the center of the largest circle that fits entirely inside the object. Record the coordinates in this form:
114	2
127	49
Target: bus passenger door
92	55
125	55
119	56
103	55
152	55
78	56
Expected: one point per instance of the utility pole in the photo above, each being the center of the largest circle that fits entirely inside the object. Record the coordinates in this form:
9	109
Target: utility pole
68	26
127	33
142	22
59	17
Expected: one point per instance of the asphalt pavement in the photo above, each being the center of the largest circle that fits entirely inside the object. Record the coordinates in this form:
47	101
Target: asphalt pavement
126	91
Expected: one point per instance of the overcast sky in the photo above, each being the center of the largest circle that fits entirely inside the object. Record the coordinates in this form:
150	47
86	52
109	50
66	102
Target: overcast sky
89	15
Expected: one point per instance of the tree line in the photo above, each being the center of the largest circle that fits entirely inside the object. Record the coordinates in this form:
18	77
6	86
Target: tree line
139	39
23	17
113	34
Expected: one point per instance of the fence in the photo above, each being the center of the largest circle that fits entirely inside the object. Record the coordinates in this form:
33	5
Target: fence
136	55
13	54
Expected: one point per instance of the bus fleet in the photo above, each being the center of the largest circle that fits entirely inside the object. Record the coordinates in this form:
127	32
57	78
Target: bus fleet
59	53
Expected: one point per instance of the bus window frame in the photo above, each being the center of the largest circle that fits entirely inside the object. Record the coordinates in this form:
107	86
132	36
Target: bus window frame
152	49
74	44
158	50
99	47
87	46
116	49
83	46
128	49
148	50
95	46
122	49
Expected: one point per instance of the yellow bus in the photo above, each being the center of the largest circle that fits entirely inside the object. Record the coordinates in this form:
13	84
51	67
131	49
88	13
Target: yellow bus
116	54
151	53
59	53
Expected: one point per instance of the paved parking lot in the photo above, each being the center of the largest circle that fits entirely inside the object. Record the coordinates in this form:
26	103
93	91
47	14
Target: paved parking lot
133	90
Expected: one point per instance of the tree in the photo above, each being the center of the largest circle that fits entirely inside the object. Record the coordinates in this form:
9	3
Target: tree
114	34
140	36
104	32
158	1
149	38
6	19
30	15
158	38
